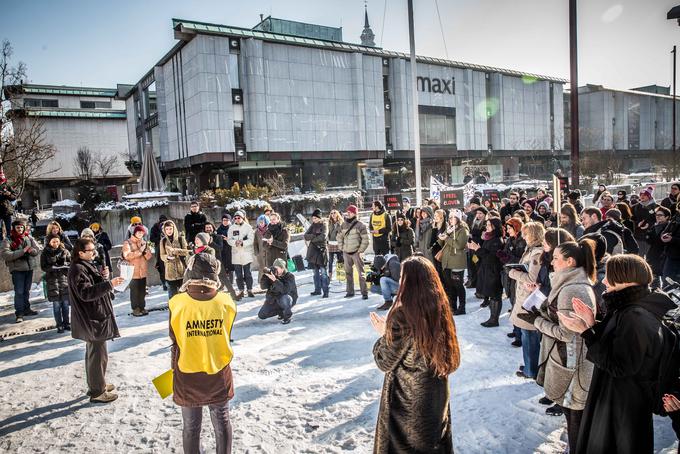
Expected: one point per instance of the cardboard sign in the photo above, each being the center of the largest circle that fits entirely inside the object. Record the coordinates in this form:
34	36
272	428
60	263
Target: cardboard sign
392	202
564	184
492	195
451	199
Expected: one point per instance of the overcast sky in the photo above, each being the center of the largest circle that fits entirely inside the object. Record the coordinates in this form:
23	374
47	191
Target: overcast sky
622	44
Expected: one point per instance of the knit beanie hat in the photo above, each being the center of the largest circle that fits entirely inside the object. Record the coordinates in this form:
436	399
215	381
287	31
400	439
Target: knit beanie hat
405	200
457	213
316	213
649	192
545	205
352	209
139	228
135	220
88	232
476	201
202	269
531	203
226	216
263	217
614	213
280	263
204	237
241	214
95	226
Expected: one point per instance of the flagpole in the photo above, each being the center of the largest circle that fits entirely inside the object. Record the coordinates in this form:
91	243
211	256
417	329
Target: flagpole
414	105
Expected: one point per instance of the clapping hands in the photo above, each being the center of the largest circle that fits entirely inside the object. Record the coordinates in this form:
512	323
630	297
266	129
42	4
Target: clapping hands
582	319
378	323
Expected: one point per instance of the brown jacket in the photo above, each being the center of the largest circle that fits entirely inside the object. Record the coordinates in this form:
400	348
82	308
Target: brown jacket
132	253
175	259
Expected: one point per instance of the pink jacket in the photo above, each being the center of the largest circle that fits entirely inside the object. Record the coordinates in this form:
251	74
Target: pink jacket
132	253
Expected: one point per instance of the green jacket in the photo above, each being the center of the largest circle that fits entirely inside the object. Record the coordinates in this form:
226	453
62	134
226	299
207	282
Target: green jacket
454	252
18	260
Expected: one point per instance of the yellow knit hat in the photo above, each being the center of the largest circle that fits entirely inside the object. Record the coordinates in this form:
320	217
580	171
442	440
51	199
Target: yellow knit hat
135	220
95	226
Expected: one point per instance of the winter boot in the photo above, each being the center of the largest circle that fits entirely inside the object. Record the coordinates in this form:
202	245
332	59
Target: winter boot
349	295
461	309
104	398
60	329
495	307
136	312
485	303
325	294
516	343
545	401
555	410
315	293
30	312
364	296
250	294
386	305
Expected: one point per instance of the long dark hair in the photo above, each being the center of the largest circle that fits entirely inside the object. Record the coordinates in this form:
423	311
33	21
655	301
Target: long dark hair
423	303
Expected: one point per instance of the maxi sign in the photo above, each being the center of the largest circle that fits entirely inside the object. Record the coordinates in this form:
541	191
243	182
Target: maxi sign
435	85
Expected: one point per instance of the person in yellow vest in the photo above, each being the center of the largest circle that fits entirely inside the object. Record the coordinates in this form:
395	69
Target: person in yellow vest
201	319
380	225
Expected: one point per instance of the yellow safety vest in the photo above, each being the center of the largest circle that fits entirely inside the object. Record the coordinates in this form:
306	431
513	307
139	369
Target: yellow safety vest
202	330
378	222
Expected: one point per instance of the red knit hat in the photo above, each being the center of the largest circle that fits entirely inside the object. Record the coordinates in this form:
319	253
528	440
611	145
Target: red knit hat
352	209
515	223
139	228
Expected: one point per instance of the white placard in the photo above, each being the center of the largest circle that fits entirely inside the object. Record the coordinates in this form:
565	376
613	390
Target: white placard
126	272
535	300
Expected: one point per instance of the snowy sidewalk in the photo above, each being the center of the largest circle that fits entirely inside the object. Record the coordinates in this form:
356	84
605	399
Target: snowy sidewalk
307	387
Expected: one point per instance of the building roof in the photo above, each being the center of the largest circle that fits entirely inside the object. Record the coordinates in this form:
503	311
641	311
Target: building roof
592	88
188	27
67	113
61	90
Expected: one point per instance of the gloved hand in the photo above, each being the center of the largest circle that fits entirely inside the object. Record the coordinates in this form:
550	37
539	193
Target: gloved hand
528	317
398	241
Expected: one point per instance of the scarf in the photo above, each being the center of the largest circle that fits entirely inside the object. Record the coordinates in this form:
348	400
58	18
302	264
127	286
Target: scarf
628	295
17	239
425	224
486	236
198	250
275	229
262	228
648	202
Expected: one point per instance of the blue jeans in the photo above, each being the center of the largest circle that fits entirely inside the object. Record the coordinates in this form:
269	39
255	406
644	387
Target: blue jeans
243	274
531	345
321	280
60	310
281	305
22	291
387	288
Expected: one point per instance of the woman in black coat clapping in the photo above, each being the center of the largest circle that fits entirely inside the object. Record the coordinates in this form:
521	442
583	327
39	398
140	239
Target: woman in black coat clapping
489	268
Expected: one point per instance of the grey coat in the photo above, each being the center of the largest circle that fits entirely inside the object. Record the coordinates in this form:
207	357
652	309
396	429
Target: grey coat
18	260
563	353
532	259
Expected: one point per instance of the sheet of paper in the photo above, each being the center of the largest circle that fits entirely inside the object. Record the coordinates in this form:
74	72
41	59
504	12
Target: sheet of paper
126	272
534	300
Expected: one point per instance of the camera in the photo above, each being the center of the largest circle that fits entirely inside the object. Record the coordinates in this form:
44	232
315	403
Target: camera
373	277
267	271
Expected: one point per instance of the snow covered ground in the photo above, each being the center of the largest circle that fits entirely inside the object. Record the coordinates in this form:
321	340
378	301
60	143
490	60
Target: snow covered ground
307	387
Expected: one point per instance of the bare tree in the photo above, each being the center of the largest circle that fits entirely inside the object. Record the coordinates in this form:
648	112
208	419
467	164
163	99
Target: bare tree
23	146
84	163
276	182
105	164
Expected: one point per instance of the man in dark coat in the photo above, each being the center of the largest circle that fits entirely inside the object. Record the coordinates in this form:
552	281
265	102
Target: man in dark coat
155	236
626	349
643	215
671	202
281	292
508	210
227	268
194	222
92	318
317	257
7	195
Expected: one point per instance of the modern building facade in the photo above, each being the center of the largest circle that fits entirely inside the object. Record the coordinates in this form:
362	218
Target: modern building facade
635	126
234	104
72	118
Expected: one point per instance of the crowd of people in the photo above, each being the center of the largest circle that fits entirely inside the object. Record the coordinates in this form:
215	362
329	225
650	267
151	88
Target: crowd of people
583	286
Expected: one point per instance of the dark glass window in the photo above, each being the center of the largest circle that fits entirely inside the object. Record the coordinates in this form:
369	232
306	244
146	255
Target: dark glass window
95	104
31	102
436	129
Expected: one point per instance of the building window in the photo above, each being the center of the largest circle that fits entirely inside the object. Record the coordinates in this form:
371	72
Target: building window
437	129
31	102
150	100
634	126
95	104
234	71
238	134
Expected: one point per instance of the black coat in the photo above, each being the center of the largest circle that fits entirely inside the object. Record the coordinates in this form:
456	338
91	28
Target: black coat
626	349
316	251
194	223
92	317
509	210
283	285
643	213
404	244
55	264
103	239
489	268
656	255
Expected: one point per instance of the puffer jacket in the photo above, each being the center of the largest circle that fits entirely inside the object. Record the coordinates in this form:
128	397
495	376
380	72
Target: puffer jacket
316	251
532	259
55	264
136	252
174	252
567	371
244	254
454	255
353	237
18	260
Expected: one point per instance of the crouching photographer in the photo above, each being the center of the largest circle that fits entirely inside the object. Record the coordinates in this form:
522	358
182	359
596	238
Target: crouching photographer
384	276
281	292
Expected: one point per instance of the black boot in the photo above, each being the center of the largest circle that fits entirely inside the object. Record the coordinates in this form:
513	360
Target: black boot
485	303
495	308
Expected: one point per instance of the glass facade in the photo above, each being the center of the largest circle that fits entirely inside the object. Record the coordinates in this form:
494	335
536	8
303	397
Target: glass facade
32	102
437	129
634	126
